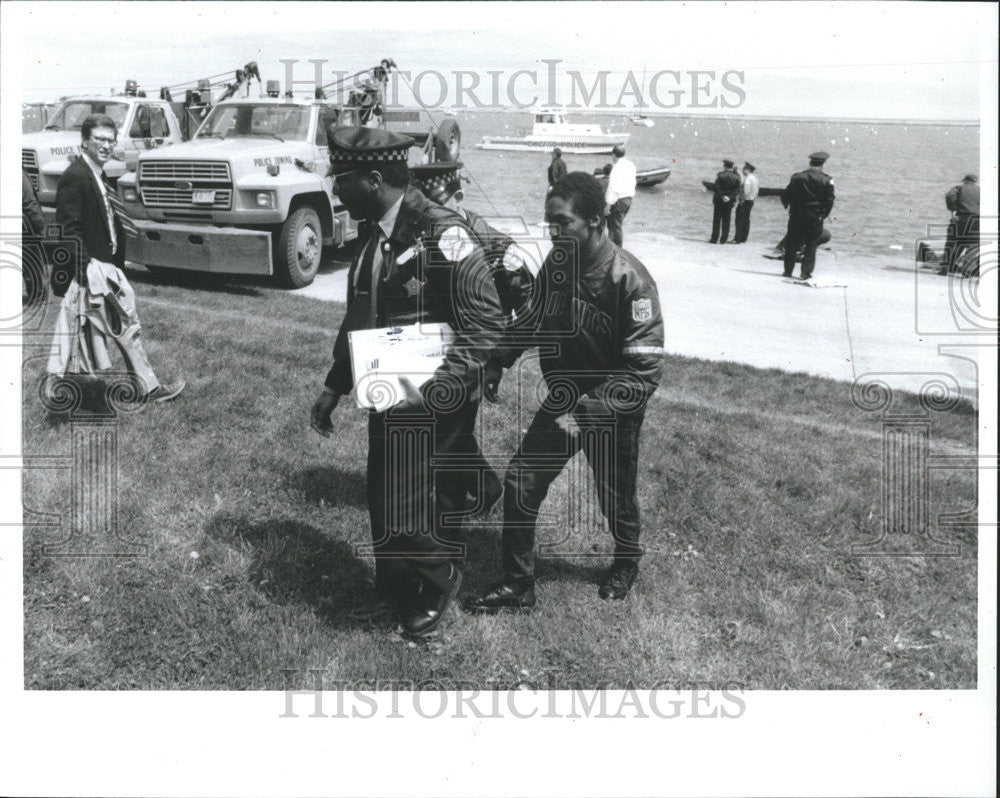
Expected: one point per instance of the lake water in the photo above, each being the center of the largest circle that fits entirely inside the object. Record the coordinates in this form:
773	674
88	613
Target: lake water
890	178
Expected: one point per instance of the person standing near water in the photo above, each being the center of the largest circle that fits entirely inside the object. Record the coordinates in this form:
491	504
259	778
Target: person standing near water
727	189
809	198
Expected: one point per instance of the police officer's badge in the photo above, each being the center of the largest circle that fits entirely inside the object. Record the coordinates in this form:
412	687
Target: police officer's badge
642	309
413	286
455	244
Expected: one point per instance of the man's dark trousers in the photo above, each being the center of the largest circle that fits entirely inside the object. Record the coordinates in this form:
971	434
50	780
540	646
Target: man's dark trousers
722	215
611	445
414	499
743	221
804	228
616	218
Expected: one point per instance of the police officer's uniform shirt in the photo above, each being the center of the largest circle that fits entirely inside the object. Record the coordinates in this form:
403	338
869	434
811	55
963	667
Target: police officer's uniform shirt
384	230
751	187
99	176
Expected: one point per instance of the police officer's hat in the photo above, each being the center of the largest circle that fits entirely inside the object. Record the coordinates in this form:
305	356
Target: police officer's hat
750	166
970	178
365	148
820	157
727	163
438	178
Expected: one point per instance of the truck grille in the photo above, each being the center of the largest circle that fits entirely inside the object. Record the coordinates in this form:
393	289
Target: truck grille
29	163
161	197
185	170
173	184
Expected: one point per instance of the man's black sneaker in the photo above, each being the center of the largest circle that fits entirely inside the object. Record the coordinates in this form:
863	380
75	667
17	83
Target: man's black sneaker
618	580
503	598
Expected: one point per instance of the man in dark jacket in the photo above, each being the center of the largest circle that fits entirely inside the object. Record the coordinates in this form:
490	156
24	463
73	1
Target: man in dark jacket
809	198
557	168
598	324
419	264
727	190
963	229
441	182
98	300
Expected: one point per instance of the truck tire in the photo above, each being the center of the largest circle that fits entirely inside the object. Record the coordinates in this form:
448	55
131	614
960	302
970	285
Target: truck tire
448	141
299	248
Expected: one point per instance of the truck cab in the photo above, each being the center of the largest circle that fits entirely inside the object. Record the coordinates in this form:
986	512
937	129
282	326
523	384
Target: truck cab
143	124
247	195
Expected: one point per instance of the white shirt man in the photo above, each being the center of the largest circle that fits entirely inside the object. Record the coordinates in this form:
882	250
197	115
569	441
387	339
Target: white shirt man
621	189
749	192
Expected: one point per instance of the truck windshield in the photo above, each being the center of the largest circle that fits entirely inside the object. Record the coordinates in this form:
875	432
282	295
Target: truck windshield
285	122
73	112
33	118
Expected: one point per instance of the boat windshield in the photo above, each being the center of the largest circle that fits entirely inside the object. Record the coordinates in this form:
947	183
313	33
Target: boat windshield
283	122
73	112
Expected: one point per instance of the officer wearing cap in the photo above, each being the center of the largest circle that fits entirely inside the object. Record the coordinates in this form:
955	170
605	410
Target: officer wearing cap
418	263
727	189
963	229
809	198
441	182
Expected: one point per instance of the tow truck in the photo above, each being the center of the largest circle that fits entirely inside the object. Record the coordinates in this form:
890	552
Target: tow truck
249	194
144	123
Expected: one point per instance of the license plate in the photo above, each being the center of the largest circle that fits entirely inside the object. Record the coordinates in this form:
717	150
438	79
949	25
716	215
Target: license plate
203	197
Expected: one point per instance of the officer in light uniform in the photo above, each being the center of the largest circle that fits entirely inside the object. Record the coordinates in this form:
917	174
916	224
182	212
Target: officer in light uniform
809	198
419	263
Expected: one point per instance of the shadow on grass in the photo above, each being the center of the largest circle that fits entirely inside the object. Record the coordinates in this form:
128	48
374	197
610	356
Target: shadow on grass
332	485
294	563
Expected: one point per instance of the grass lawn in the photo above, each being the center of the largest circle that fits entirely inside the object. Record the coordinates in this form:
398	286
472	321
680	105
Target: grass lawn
754	486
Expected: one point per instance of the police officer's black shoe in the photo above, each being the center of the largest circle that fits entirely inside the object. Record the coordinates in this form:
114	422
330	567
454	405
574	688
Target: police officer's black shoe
429	607
618	580
504	597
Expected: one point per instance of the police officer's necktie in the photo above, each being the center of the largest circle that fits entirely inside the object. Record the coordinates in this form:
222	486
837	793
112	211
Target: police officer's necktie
363	281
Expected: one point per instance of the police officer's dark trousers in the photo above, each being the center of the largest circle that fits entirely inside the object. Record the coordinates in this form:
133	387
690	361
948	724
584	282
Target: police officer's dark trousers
804	228
415	496
743	221
722	215
611	445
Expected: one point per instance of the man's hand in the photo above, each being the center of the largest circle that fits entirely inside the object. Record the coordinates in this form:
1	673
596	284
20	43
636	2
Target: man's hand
568	424
412	398
319	416
491	381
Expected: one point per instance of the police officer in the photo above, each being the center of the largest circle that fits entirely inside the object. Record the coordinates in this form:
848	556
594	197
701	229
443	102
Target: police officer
598	324
963	229
419	263
441	182
727	189
809	198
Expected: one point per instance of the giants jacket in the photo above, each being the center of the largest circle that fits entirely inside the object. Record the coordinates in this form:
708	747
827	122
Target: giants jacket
433	271
599	333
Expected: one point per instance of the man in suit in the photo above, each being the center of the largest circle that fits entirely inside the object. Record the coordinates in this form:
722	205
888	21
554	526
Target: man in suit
809	198
727	189
419	264
98	301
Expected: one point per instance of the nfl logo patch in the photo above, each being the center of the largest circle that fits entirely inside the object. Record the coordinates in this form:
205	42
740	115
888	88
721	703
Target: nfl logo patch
642	309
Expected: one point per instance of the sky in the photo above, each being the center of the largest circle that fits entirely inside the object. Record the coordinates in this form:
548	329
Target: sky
871	60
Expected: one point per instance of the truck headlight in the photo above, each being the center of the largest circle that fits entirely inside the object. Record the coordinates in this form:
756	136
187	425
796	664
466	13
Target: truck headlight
265	199
129	194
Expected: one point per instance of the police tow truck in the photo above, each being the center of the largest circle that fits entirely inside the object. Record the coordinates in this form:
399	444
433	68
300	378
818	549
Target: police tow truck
249	194
144	123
